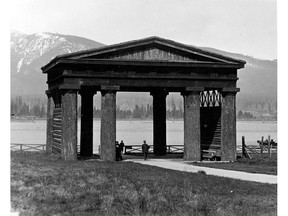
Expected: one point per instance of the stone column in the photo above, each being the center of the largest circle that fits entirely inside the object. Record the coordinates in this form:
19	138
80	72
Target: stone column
108	123
228	124
86	138
159	121
192	145
49	128
69	124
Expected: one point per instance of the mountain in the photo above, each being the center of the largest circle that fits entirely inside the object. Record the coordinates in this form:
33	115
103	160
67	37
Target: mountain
30	52
257	81
258	78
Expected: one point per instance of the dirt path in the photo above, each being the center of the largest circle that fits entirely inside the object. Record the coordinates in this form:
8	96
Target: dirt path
178	164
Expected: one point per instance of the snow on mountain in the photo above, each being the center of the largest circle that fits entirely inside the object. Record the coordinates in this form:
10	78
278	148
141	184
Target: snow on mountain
30	48
30	52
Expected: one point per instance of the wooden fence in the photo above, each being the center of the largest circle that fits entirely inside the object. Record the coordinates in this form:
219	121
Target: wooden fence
137	149
31	147
27	147
265	147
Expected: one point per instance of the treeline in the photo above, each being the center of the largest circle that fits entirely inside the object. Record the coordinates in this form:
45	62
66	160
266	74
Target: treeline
37	108
20	108
257	104
245	115
140	112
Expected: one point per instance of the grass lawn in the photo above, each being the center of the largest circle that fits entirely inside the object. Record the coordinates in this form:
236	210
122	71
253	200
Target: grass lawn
46	185
258	164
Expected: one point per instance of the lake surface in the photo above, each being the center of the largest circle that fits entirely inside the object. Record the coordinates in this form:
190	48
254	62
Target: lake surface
134	132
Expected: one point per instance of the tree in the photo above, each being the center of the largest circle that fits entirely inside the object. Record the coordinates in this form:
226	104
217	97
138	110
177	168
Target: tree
240	114
136	112
43	111
173	109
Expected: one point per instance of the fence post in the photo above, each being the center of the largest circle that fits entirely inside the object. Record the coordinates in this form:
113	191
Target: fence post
269	146
243	146
261	145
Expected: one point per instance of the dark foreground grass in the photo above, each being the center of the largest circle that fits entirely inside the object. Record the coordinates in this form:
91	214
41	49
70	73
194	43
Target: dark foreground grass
258	164
42	185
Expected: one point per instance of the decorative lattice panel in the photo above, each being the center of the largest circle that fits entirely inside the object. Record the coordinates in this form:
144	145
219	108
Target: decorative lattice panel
210	98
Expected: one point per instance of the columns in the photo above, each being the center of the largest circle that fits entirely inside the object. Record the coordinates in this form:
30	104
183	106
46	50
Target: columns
228	124
49	128
69	125
159	121
108	123
86	138
192	147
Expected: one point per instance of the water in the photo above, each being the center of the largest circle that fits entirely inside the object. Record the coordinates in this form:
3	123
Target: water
134	132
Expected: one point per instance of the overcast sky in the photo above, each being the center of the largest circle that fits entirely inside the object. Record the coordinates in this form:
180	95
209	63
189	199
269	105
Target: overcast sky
242	26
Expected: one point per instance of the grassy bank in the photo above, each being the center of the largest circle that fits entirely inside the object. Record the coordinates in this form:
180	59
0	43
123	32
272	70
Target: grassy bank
258	164
42	185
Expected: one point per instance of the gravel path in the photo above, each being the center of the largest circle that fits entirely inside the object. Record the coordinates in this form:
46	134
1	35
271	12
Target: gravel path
178	164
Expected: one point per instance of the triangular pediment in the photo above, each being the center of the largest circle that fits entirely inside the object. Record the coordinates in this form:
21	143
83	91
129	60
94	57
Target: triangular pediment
153	49
148	54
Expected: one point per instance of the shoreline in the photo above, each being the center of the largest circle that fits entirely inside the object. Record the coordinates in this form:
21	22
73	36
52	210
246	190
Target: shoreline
27	119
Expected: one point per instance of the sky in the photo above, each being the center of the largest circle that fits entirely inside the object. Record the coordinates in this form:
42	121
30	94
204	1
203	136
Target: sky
241	26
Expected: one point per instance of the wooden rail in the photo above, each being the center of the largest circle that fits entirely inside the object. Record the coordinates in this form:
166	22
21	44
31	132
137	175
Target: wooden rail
211	154
257	150
263	147
27	147
175	148
128	149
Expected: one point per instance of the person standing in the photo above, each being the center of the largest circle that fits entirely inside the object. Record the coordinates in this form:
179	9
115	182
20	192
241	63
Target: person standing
122	147
118	152
145	149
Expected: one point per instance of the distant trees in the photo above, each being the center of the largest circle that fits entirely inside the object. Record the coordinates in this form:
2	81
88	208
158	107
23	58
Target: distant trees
122	114
143	111
20	108
174	112
245	115
139	112
257	104
37	108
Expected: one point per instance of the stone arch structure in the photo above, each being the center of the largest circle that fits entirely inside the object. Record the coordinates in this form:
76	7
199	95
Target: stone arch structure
206	80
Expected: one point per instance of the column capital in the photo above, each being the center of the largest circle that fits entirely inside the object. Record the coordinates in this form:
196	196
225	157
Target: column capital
87	91
48	93
194	89
109	89
162	92
69	87
190	90
226	91
70	91
52	93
